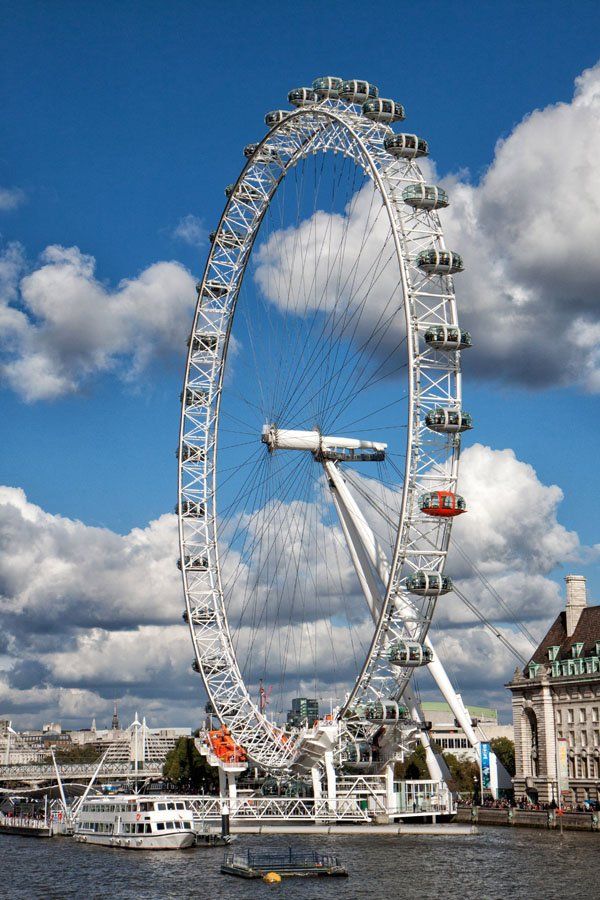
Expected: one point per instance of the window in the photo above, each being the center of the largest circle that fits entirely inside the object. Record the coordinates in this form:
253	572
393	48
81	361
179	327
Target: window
582	716
558	717
584	738
570	716
180	805
571	739
594	714
596	737
576	650
162	806
148	828
187	825
553	653
160	826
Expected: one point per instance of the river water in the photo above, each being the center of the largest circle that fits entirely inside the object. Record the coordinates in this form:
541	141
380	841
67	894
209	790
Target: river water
495	864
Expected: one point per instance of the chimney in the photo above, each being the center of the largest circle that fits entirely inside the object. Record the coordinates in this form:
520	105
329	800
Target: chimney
576	601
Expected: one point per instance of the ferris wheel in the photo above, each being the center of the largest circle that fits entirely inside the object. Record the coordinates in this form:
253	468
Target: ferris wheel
320	427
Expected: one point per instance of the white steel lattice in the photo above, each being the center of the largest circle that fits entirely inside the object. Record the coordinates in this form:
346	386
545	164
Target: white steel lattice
433	382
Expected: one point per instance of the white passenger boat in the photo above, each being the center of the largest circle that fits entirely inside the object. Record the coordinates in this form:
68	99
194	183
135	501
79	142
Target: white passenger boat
134	822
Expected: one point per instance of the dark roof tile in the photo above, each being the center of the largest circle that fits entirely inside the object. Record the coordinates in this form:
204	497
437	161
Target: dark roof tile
587	632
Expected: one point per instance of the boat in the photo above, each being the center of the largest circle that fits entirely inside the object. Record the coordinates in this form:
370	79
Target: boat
136	822
283	863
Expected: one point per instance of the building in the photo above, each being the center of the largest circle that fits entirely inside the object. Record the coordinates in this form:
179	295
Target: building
304	711
446	732
556	699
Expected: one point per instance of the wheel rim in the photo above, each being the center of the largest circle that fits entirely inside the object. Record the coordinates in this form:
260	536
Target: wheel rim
431	459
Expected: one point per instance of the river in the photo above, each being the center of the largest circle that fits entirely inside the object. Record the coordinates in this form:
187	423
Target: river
496	864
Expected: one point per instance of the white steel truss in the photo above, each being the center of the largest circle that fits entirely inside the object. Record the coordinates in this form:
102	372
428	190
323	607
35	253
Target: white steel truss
433	383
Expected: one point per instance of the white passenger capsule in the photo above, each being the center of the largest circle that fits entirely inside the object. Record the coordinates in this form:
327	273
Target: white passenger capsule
440	262
410	654
358	91
448	337
302	96
383	110
406	146
428	584
448	421
327	87
425	196
276	116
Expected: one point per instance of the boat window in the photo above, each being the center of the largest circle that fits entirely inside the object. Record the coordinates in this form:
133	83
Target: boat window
187	824
170	806
180	805
160	826
148	828
161	806
177	824
140	828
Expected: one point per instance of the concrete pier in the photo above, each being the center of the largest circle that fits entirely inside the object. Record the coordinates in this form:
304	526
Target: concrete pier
449	830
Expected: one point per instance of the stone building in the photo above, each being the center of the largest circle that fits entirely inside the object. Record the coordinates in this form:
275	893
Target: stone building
557	696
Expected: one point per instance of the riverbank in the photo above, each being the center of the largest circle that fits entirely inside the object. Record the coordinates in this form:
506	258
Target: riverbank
528	818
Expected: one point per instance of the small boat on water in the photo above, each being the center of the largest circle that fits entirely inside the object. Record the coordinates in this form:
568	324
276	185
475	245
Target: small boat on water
136	822
281	863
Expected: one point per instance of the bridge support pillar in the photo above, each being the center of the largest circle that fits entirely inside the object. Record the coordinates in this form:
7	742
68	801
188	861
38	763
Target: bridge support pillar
331	781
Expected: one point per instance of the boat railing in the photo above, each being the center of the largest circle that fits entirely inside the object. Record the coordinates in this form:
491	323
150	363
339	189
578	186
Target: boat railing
22	822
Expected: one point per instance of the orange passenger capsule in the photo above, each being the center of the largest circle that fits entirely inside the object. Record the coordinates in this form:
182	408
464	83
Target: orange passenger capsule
442	503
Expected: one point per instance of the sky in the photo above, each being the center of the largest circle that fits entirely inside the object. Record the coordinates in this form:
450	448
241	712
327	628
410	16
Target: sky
122	125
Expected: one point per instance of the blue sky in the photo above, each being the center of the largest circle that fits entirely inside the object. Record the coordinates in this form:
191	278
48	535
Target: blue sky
122	119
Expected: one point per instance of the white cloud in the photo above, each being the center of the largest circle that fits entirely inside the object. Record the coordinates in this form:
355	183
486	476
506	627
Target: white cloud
529	232
63	325
88	614
11	198
191	230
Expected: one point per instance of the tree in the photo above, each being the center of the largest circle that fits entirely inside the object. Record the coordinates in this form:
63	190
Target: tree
504	749
465	773
188	770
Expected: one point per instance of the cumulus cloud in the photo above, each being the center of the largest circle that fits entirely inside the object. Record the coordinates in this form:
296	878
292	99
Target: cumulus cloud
11	198
191	230
529	232
62	325
88	614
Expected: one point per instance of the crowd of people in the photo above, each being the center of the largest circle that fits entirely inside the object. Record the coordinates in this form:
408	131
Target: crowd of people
525	803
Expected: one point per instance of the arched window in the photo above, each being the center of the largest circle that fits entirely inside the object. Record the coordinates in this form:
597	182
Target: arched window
530	743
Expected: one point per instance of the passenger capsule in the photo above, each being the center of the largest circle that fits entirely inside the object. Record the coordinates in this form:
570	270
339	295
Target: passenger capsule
250	150
409	654
406	146
358	91
327	87
191	453
185	616
443	504
385	711
191	509
212	665
428	584
302	96
448	421
447	337
247	193
383	110
214	289
195	563
228	239
196	666
358	754
205	343
276	116
425	196
194	397
440	262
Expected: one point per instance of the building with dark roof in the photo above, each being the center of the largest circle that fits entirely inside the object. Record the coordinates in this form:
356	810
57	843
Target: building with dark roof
556	704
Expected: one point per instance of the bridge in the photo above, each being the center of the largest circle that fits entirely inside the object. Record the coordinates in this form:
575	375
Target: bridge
37	775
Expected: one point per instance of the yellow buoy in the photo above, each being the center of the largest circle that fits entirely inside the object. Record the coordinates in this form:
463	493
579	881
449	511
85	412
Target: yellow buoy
271	878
